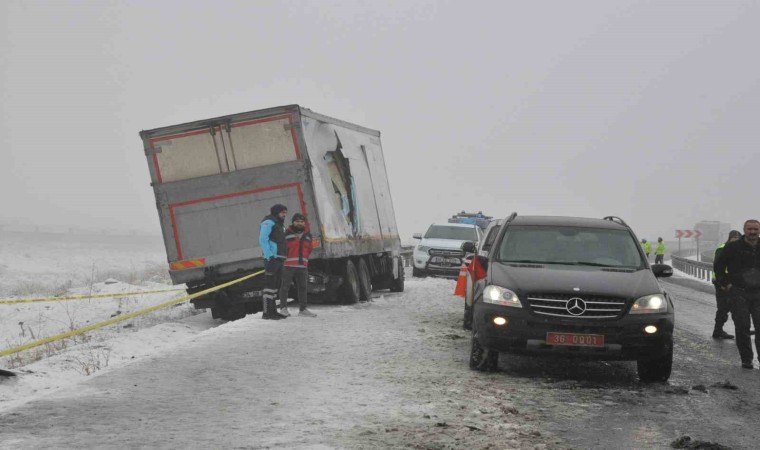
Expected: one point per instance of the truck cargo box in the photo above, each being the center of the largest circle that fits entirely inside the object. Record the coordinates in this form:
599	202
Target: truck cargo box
214	180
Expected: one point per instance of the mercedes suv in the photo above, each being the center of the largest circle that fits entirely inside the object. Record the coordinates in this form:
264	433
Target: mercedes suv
572	287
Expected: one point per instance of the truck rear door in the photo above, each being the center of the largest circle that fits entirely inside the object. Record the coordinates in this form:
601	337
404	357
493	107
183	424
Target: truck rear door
215	181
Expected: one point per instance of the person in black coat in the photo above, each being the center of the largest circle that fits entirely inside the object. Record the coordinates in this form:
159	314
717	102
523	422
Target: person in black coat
721	296
737	272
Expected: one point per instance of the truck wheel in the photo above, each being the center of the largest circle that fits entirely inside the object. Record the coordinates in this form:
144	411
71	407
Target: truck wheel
397	284
232	313
365	281
350	288
657	369
417	273
481	359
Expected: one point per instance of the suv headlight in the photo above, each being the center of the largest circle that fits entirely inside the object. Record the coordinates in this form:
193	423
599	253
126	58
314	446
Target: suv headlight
498	295
650	304
423	248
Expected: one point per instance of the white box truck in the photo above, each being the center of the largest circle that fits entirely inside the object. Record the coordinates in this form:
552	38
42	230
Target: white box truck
214	180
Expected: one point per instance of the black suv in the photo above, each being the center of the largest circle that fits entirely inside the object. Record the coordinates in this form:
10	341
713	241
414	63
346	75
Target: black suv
576	287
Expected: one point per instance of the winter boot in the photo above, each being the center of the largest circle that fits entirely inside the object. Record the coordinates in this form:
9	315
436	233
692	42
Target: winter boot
274	314
720	334
270	310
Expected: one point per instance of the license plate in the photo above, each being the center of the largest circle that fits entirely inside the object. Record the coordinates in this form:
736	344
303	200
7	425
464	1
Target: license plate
251	294
443	259
574	339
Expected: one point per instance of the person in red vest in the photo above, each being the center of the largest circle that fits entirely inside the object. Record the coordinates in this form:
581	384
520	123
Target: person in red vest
295	268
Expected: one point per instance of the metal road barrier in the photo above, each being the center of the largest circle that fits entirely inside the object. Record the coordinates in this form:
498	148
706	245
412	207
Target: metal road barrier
699	269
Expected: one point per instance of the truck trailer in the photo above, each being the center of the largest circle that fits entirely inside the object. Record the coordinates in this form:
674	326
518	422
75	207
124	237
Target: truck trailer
214	181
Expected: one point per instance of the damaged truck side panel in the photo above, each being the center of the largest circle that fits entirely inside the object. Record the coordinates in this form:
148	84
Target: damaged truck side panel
214	181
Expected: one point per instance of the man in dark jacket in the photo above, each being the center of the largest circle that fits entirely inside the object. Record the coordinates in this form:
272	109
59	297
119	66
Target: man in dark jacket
272	243
737	271
298	244
721	296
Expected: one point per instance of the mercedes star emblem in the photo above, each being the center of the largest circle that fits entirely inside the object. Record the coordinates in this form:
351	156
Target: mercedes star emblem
576	306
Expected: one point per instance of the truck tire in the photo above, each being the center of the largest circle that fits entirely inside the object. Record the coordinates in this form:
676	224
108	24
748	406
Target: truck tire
349	290
418	273
365	281
397	284
228	313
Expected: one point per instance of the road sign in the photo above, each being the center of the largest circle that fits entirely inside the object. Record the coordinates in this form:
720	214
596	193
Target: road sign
688	234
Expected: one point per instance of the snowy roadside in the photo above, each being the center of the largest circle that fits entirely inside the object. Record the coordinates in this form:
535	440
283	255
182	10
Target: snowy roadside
389	373
48	265
102	351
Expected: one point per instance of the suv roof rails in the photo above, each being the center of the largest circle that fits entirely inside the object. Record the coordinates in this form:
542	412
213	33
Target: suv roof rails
616	219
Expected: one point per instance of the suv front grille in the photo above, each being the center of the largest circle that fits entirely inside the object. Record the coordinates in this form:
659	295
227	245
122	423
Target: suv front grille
581	307
439	252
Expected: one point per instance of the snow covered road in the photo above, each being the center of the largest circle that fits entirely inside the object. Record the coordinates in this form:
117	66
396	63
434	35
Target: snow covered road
390	373
384	374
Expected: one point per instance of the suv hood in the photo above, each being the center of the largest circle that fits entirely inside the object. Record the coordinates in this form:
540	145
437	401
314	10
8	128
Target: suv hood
455	244
550	278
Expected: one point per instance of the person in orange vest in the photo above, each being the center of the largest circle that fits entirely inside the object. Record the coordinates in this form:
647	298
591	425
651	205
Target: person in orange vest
295	269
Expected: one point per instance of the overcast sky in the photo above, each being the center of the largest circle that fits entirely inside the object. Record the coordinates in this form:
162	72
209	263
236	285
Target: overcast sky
646	110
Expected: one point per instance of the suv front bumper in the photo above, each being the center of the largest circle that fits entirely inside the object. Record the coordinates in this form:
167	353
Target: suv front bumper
423	262
624	338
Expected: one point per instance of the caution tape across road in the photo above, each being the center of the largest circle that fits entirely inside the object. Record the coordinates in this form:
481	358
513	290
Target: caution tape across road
122	318
83	297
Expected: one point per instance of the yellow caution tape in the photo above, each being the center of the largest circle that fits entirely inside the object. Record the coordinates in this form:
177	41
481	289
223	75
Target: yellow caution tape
121	318
81	297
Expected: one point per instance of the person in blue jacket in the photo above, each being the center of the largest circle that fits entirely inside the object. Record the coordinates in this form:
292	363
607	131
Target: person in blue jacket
272	243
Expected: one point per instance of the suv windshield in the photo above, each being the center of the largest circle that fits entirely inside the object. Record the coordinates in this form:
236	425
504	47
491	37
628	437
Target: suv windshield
446	232
570	245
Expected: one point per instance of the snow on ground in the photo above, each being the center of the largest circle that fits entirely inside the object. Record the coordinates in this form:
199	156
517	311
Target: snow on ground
117	267
327	385
34	265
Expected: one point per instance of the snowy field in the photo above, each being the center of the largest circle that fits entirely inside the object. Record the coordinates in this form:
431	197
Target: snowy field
42	265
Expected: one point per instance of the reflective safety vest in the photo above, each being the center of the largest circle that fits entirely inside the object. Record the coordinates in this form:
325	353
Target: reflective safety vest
298	245
647	247
660	249
715	256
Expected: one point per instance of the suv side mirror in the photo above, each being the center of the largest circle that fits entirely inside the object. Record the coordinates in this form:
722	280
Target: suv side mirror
417	235
469	247
662	270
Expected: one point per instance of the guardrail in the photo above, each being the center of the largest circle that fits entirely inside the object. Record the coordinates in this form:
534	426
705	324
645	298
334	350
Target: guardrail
698	269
